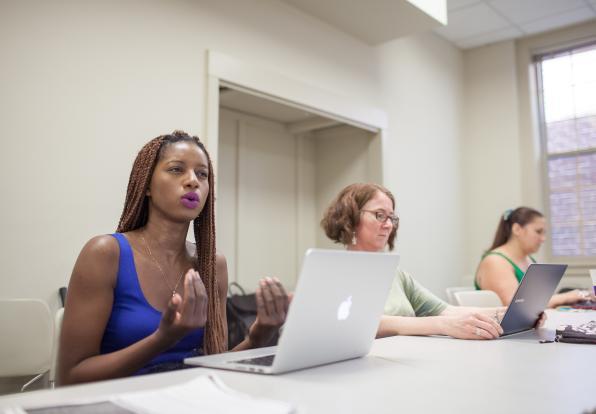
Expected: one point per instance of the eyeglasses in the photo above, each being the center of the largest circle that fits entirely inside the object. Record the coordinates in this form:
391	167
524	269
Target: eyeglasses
382	217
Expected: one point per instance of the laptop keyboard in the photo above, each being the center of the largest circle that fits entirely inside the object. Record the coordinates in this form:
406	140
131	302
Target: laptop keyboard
266	360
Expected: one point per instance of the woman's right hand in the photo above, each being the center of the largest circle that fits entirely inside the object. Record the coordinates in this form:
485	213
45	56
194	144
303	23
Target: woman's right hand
473	325
569	298
187	313
574	296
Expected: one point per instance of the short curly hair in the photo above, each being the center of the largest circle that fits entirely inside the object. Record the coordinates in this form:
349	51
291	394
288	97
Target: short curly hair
343	214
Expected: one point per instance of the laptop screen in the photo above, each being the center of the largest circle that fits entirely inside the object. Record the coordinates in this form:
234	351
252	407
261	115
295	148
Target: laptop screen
532	296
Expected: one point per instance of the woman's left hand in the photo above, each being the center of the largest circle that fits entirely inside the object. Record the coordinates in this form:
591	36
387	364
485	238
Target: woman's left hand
495	313
272	307
470	325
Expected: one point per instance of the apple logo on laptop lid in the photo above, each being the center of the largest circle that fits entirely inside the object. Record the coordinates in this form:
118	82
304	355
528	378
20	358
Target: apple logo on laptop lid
343	311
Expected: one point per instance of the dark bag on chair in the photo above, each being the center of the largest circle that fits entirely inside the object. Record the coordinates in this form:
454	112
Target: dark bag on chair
241	310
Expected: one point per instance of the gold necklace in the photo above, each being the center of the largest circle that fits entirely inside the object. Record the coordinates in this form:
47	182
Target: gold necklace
163	274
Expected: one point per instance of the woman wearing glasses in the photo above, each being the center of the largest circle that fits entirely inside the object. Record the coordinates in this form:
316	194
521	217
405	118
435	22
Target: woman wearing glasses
362	217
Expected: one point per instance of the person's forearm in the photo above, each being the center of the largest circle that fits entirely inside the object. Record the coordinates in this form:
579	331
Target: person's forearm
117	364
556	300
457	310
461	310
406	325
568	298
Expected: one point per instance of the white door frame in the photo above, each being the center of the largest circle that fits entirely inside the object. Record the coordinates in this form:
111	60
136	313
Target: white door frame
226	71
223	70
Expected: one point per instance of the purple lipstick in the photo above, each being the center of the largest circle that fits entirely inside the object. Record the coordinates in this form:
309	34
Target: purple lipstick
190	200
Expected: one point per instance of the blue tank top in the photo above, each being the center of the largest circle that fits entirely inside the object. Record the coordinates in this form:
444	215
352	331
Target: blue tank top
133	318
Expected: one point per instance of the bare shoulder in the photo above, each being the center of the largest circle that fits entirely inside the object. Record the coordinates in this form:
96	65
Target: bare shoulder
98	258
221	266
493	262
221	271
104	246
496	273
220	260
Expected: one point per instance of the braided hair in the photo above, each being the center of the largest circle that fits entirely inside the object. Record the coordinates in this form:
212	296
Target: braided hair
136	213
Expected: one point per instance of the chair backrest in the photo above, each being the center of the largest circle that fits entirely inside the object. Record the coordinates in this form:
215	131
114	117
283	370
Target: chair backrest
62	294
56	346
479	298
27	333
451	290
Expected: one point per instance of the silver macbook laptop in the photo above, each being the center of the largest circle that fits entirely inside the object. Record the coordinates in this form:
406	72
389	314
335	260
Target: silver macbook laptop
334	314
531	297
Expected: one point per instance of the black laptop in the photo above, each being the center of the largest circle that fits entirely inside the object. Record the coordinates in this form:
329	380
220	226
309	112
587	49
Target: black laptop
532	296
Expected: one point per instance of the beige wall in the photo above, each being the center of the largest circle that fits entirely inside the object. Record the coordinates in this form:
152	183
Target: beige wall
491	144
502	154
422	85
85	84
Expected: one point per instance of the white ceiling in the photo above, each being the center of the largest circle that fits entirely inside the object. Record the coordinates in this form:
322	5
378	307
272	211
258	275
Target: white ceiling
372	21
473	23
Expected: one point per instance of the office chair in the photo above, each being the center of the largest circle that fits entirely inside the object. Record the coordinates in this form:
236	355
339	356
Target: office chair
62	295
26	345
56	346
57	329
451	290
478	298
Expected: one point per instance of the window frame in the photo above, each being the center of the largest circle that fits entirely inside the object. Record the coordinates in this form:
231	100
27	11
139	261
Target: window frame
579	264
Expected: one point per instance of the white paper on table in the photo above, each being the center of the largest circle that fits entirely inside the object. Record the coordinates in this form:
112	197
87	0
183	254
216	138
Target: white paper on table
204	394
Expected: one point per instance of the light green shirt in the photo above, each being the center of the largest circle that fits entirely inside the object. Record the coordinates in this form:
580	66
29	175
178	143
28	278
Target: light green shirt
408	298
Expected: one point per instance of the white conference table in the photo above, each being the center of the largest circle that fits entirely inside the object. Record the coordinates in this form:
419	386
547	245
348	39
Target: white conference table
408	375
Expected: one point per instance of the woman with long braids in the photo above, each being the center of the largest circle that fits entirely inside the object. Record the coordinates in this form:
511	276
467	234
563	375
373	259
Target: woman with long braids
520	233
143	299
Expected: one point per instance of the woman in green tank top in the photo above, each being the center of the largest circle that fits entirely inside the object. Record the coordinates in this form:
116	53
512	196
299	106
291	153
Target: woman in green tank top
519	273
520	234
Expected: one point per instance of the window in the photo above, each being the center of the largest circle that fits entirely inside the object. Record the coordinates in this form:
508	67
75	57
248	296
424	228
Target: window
567	95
